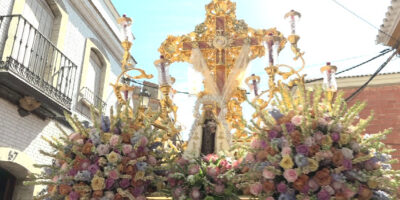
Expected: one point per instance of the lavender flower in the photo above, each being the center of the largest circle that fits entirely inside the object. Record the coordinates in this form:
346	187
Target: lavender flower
83	176
135	139
347	164
301	160
272	134
105	123
290	127
141	166
302	149
276	114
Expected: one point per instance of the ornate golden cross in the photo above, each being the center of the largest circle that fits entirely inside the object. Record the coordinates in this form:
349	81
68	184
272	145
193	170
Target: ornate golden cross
219	38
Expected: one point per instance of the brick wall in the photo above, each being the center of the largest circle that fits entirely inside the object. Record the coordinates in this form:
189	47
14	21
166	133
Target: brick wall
24	133
385	101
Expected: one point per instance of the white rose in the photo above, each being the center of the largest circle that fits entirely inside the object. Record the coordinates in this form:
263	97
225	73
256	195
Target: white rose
347	153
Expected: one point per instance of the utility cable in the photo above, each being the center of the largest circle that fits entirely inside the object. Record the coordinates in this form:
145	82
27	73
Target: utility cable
385	51
142	84
364	20
372	77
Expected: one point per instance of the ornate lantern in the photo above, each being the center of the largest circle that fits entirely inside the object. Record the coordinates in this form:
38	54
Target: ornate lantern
125	26
272	43
162	66
253	82
329	83
293	17
145	98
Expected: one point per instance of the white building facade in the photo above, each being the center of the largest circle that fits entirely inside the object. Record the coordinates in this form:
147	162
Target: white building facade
56	56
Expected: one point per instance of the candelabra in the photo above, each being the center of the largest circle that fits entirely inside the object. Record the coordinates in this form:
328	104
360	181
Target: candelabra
274	43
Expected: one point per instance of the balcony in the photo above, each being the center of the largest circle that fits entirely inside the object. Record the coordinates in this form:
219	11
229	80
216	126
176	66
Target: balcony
87	100
31	65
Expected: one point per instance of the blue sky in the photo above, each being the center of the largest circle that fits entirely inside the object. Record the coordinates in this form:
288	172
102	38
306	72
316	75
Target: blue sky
328	33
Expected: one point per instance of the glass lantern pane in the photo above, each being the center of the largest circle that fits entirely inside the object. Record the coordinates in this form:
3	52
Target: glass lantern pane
163	75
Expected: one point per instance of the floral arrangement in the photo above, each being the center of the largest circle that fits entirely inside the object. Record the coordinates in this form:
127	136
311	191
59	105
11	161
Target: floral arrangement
306	148
208	178
119	158
310	148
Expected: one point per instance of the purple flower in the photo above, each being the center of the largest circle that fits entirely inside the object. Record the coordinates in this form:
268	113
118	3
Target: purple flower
272	134
109	183
335	136
124	183
72	172
105	124
281	187
302	149
290	127
117	131
93	169
323	195
73	195
137	191
347	164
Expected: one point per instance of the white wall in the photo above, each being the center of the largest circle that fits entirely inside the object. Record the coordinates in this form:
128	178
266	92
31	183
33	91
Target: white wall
24	133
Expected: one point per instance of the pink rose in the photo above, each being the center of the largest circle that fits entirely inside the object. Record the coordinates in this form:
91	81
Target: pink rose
235	164
250	158
255	144
337	185
219	189
182	161
143	141
113	174
318	136
297	120
102	149
348	193
126	149
322	122
286	151
177	192
114	140
210	158
329	189
290	175
309	141
313	185
195	194
79	141
55	179
255	189
194	169
268	174
152	160
212	171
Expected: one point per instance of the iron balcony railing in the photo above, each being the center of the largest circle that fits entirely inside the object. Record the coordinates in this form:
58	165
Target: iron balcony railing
88	97
34	58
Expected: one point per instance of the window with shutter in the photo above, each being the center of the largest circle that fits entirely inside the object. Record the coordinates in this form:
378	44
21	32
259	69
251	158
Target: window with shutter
93	81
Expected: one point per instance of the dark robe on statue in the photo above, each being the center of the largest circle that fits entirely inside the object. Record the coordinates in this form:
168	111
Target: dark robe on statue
208	137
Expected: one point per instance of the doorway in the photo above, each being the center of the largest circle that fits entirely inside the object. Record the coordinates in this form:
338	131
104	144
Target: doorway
7	184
